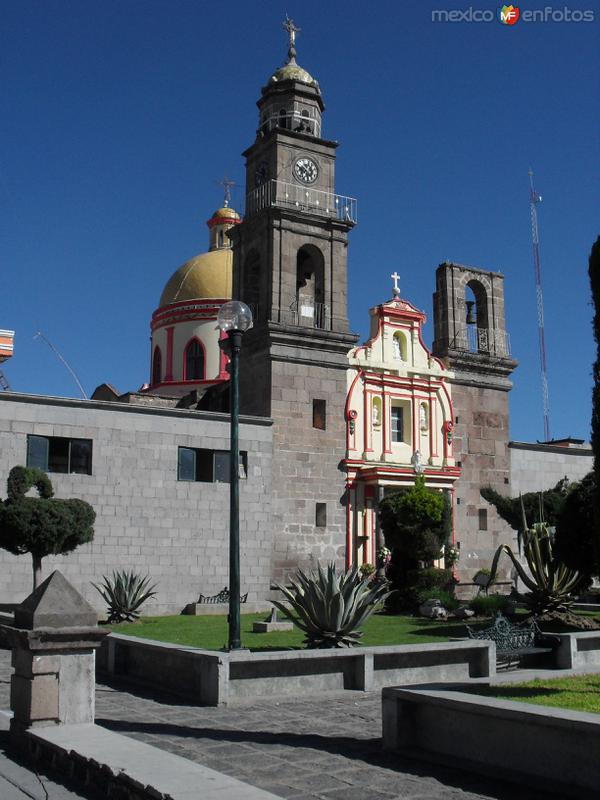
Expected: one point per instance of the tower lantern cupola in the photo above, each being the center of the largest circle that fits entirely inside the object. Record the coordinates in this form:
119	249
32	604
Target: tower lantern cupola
291	100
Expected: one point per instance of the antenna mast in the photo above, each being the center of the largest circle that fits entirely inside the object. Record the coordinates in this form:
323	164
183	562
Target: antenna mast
534	199
40	335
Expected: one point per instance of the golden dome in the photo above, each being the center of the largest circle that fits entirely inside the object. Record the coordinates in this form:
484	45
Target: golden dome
223	216
207	276
293	72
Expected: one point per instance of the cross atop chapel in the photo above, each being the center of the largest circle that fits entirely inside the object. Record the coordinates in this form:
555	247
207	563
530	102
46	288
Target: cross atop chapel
395	277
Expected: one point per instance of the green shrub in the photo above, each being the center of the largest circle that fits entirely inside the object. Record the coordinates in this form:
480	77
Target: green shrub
447	599
488	605
42	525
411	585
366	570
125	593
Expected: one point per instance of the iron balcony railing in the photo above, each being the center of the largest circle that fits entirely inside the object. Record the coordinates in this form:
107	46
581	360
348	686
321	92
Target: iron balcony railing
290	195
307	314
303	313
483	340
297	121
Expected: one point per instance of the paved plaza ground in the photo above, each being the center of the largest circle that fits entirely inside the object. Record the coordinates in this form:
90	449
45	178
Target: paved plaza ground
302	749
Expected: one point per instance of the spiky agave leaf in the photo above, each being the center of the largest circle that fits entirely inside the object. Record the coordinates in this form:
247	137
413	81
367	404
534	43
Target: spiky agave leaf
551	582
330	607
124	593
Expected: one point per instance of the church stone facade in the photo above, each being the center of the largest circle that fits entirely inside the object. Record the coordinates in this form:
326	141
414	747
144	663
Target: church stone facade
290	266
471	339
317	435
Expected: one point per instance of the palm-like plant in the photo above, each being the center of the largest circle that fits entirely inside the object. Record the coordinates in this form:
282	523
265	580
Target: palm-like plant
551	583
124	593
330	607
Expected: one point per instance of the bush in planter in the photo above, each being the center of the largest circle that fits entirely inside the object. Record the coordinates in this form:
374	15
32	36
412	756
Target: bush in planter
412	585
446	598
414	526
489	605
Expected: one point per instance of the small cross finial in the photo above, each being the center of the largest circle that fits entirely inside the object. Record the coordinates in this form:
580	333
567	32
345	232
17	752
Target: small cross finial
292	30
395	277
227	185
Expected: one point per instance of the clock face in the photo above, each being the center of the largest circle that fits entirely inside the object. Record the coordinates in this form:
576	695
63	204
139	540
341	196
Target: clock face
306	170
261	174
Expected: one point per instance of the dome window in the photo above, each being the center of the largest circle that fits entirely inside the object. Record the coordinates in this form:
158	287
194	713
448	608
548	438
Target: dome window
156	366
194	361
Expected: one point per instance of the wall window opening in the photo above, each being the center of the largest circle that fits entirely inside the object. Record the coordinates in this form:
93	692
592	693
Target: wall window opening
59	454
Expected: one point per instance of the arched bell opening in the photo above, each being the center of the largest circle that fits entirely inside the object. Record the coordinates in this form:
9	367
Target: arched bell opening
310	290
476	304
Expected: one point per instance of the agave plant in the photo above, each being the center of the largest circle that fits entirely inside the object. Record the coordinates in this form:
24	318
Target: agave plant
330	607
125	592
551	583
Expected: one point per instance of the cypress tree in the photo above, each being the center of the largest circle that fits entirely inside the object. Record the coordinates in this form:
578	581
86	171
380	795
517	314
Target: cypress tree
594	273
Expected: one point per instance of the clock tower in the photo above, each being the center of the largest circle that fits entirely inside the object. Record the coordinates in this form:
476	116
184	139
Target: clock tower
290	267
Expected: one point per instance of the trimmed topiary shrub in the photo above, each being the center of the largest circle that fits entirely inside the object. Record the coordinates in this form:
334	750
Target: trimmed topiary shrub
41	525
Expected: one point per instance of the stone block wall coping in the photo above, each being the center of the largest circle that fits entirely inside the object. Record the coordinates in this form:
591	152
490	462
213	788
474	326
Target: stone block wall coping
130	408
548	748
120	766
301	655
77	638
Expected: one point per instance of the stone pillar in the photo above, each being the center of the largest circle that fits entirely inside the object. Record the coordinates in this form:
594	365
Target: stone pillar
53	643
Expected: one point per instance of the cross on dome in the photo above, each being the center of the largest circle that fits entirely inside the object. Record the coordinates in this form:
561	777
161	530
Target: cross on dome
395	277
292	30
227	185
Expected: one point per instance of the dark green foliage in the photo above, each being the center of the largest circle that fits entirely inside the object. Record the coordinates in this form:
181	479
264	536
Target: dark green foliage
446	598
41	525
22	479
549	503
575	540
125	592
413	584
594	273
412	522
330	607
415	529
488	605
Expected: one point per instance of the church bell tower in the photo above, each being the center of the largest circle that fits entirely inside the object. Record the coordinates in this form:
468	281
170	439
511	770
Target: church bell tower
290	267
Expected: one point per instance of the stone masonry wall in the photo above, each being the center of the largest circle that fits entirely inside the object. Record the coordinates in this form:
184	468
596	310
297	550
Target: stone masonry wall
306	466
481	447
535	468
147	520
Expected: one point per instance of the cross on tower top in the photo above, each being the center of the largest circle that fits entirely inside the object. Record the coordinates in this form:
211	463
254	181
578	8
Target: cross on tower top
396	278
292	30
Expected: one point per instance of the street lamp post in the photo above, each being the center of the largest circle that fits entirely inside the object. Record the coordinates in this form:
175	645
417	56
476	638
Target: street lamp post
234	318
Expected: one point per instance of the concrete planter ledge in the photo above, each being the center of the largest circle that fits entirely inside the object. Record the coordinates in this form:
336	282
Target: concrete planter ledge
207	677
121	767
546	747
579	650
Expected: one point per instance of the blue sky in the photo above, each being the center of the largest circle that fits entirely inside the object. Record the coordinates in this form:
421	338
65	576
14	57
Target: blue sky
120	117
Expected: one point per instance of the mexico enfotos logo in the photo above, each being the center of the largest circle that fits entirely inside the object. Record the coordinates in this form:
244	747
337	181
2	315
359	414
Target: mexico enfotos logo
509	15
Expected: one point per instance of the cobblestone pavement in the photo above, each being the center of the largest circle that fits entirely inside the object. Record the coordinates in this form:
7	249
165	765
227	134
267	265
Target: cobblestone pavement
303	749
